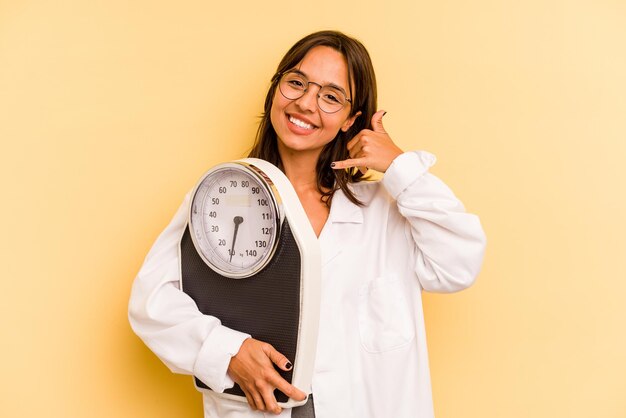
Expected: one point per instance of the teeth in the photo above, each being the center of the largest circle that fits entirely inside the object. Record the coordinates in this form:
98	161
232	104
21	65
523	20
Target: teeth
300	123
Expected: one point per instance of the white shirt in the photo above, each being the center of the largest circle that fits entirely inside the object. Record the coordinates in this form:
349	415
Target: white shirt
413	234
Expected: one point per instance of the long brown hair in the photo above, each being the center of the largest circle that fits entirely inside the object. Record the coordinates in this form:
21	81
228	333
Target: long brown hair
361	76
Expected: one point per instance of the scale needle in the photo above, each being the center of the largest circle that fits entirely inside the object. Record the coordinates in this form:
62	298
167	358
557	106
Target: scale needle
237	220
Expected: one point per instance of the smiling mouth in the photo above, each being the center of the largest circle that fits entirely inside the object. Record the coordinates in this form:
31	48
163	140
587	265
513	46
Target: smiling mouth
300	123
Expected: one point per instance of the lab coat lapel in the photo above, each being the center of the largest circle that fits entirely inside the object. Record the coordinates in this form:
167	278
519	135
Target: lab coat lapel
342	211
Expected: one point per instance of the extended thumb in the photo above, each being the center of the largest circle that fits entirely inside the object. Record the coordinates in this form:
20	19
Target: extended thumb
377	121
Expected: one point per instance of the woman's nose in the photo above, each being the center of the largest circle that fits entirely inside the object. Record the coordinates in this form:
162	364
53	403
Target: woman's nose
308	101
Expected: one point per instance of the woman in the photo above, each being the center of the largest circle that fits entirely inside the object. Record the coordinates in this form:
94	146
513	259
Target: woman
382	244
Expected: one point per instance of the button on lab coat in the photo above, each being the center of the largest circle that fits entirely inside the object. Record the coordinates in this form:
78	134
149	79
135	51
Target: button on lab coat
412	234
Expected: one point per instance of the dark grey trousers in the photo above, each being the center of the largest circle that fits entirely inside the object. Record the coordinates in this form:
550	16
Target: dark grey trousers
305	411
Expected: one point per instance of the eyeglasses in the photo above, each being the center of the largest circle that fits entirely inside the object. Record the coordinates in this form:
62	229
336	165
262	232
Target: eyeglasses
330	98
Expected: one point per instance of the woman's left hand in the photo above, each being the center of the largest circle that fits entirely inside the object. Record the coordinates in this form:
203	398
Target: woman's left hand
370	148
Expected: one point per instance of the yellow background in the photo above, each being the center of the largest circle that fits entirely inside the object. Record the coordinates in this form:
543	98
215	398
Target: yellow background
111	110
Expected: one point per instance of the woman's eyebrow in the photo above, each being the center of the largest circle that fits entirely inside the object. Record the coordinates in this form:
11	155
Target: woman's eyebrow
333	85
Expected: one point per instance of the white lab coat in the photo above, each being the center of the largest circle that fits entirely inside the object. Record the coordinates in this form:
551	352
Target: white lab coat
413	234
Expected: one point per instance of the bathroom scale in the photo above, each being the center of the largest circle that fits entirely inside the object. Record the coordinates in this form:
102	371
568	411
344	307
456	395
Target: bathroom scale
250	257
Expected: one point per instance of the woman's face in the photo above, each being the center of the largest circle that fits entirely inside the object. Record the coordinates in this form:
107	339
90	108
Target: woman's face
300	125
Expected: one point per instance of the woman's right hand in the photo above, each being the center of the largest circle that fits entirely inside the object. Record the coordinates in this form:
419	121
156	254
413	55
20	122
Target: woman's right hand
252	368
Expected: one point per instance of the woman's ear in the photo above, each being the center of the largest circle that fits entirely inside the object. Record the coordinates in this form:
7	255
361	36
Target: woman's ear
350	121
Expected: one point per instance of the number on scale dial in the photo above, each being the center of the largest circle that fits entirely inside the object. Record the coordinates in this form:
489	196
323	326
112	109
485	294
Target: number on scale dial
234	220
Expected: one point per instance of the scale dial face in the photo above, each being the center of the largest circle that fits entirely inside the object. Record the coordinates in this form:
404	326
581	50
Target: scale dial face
234	219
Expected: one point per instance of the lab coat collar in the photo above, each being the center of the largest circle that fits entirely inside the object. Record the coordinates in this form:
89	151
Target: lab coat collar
342	210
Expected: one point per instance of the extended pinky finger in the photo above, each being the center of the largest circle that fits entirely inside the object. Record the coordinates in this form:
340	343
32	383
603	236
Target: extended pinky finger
351	162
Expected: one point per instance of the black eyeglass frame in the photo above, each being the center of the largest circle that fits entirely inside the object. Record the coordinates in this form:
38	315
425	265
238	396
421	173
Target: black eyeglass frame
279	77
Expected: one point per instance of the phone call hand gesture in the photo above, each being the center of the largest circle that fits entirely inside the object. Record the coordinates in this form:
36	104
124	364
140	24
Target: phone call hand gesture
370	148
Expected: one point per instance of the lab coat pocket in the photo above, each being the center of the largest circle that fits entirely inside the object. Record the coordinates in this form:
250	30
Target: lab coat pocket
385	319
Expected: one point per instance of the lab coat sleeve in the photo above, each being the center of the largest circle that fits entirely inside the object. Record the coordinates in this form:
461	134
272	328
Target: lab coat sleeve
448	243
168	320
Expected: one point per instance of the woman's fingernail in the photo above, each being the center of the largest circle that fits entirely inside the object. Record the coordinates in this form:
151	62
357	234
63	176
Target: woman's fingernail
288	366
385	113
332	165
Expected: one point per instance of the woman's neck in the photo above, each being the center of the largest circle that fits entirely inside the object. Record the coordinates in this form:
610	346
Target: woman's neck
300	169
